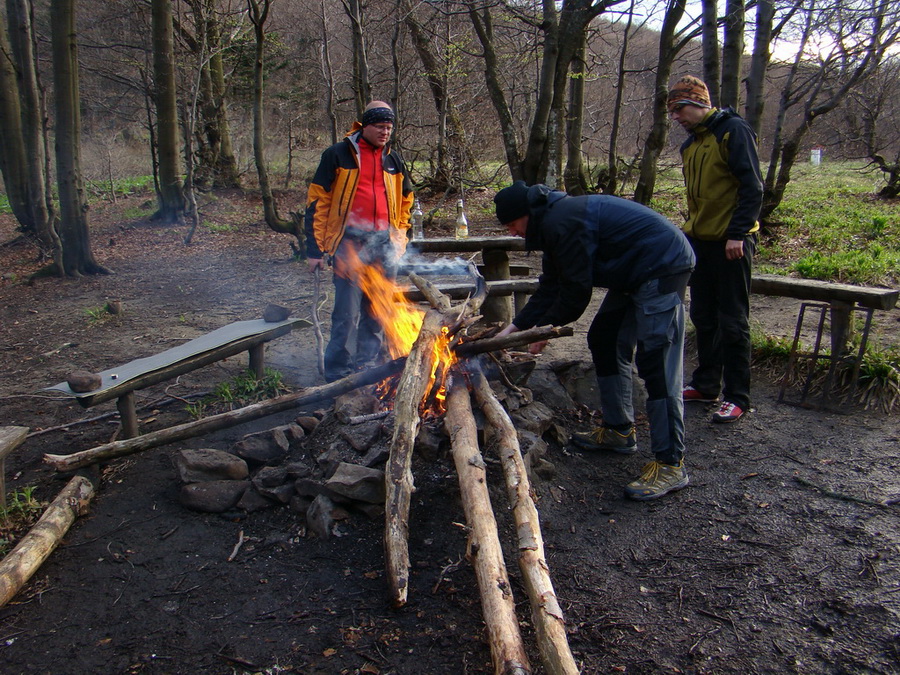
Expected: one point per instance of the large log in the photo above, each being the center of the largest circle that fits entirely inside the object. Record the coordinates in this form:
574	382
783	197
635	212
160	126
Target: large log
29	554
411	389
232	418
549	625
497	602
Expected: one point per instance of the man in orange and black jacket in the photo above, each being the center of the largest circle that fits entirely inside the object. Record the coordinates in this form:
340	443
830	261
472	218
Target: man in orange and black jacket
357	215
724	197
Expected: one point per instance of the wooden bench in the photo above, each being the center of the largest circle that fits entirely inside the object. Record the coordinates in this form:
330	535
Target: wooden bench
10	439
120	383
841	300
520	289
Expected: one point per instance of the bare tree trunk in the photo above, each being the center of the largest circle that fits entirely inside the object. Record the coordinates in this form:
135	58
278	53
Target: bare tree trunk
575	179
656	140
612	177
362	89
759	64
259	13
483	24
732	54
23	133
712	65
171	196
73	230
328	75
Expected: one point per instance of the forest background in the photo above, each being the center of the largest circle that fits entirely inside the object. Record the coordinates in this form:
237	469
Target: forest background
203	94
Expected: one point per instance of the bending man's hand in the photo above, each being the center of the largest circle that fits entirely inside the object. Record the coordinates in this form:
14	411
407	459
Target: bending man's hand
509	330
315	264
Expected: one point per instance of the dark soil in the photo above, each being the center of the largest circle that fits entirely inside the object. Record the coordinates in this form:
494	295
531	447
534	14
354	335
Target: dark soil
781	556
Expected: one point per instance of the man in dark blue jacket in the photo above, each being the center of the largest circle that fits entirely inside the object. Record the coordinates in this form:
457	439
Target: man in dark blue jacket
645	262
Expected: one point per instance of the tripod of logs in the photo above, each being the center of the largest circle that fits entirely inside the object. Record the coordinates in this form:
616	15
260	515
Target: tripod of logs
484	549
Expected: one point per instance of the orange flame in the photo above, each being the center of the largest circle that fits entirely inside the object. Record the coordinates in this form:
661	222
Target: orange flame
401	321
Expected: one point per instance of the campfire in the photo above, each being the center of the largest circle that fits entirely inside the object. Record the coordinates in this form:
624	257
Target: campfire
433	375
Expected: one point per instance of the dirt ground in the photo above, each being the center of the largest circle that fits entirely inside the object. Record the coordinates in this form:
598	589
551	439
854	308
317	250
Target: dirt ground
783	554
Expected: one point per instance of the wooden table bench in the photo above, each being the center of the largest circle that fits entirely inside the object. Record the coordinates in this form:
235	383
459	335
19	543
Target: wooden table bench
495	265
121	382
840	300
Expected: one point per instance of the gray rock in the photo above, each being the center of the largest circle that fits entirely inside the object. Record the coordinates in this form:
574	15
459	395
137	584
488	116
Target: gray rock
321	516
275	313
308	423
307	487
546	387
252	501
81	381
361	437
534	417
280	493
294	434
358	483
266	447
213	496
298	469
300	504
270	476
356	402
195	466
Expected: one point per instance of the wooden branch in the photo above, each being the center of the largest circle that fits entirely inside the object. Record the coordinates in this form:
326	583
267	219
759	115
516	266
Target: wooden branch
523	337
317	324
497	603
224	420
431	292
549	625
399	485
24	560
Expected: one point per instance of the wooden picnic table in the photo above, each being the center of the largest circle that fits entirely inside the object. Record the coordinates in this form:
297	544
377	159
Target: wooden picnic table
495	258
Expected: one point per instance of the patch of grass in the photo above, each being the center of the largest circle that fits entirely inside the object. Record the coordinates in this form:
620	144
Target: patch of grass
832	227
240	391
21	512
96	315
220	227
4	203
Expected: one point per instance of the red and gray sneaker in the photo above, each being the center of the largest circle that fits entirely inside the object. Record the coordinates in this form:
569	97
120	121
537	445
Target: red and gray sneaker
693	395
728	412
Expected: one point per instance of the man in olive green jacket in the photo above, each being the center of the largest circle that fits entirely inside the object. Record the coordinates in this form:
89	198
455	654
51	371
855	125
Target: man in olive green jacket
724	196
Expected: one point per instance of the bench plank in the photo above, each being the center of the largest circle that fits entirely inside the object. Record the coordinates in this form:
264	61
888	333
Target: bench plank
495	288
204	350
824	291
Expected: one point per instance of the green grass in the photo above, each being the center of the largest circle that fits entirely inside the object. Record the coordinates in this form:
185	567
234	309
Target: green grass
240	391
22	510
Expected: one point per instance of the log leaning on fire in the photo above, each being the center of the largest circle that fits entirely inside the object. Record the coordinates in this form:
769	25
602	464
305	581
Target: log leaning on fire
411	389
24	560
547	615
485	552
232	418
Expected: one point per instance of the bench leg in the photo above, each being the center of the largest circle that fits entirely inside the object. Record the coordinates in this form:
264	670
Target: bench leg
128	415
258	360
840	326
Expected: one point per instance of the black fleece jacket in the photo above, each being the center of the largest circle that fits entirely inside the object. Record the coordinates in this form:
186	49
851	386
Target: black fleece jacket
595	240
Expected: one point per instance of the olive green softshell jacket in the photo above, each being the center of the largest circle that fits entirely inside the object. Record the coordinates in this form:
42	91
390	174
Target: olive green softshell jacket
723	179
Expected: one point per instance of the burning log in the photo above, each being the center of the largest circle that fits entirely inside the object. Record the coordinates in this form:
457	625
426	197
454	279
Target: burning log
29	554
129	446
497	603
546	612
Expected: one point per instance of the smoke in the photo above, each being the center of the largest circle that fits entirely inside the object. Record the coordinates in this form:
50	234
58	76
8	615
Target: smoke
413	262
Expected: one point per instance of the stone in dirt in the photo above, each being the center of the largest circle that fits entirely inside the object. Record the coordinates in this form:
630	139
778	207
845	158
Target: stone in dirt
534	417
361	437
266	447
321	516
355	403
308	423
252	501
215	496
358	483
206	464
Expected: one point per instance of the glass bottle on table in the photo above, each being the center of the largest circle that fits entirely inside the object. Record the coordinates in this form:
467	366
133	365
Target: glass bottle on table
417	218
462	223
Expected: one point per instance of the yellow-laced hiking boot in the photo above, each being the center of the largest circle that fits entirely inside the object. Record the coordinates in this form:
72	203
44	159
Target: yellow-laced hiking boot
607	438
657	479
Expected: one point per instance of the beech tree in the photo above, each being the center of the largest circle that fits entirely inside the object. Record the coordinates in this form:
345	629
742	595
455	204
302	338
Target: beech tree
170	194
77	258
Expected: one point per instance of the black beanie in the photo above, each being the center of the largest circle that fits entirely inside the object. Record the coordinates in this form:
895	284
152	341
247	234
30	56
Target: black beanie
512	202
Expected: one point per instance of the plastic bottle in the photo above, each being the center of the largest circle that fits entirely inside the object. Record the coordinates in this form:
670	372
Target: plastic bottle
462	223
417	218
